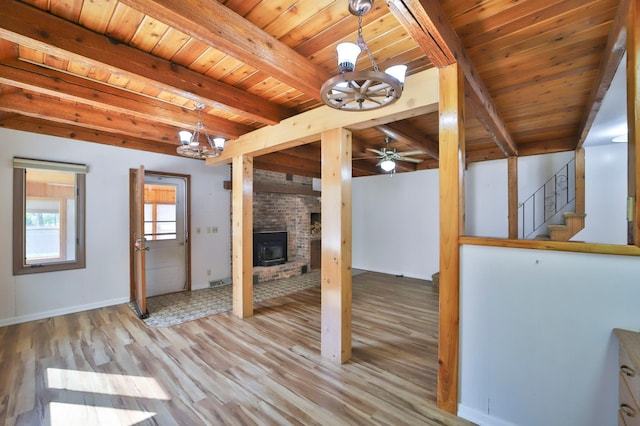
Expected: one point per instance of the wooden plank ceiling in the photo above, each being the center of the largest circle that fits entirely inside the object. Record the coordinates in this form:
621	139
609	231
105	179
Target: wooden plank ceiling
129	73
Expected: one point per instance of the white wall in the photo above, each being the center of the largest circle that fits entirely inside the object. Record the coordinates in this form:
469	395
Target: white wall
396	223
487	193
605	194
395	219
536	342
536	335
105	280
535	170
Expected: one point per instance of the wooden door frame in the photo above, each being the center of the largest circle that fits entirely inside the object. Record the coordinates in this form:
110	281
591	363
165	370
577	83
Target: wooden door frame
187	218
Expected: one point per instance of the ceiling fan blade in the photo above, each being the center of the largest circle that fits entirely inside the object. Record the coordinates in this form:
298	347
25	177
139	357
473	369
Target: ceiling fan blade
410	160
410	153
365	158
377	151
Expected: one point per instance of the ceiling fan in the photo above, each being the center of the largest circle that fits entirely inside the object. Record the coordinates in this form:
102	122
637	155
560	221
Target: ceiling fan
388	156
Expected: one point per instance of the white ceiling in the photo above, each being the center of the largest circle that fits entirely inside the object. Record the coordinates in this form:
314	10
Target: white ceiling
611	120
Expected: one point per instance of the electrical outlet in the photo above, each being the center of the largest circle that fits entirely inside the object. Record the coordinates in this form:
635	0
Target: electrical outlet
208	272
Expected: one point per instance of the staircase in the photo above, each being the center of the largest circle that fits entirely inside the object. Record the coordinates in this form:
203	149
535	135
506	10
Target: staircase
563	191
573	223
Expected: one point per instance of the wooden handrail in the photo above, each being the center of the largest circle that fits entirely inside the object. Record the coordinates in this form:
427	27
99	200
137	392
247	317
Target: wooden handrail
577	247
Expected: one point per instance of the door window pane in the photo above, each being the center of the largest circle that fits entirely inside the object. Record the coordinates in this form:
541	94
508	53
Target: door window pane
166	212
160	212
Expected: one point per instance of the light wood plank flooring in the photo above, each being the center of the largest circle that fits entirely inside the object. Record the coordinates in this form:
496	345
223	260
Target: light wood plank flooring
106	367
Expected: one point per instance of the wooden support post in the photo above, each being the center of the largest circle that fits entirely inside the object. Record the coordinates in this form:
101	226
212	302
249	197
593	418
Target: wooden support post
512	174
242	235
336	245
633	119
580	188
452	154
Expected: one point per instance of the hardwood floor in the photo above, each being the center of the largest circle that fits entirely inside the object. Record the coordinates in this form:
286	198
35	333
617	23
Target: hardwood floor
106	367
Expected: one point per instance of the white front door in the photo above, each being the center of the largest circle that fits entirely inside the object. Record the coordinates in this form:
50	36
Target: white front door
165	232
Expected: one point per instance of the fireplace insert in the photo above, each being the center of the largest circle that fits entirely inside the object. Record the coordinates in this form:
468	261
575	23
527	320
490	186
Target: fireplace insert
269	248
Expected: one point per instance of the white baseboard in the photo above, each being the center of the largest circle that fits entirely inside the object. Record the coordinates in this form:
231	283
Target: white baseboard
64	311
481	418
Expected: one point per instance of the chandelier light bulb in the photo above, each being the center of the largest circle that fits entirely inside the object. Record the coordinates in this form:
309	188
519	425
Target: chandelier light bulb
398	72
347	56
219	143
185	137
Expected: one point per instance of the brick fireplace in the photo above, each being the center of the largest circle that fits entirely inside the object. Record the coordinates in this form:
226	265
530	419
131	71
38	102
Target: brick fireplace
287	203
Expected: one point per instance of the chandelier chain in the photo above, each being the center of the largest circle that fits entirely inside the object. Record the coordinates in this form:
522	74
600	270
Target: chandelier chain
363	45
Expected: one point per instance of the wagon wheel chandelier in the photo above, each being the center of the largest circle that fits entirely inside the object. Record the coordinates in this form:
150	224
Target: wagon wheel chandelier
190	145
353	90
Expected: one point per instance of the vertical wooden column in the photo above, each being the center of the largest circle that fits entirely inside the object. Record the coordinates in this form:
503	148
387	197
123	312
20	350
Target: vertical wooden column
452	166
512	196
580	188
242	235
633	119
336	245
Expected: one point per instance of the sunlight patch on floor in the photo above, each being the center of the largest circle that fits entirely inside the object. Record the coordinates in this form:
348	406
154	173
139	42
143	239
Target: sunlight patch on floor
84	397
103	383
64	414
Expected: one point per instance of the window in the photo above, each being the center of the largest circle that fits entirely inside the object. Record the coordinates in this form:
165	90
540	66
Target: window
160	212
48	216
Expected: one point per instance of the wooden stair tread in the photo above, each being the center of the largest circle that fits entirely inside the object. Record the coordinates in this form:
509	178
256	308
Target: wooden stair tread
573	223
558	226
574	214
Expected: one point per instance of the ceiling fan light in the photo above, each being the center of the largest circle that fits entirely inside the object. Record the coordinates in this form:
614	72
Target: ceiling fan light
388	165
398	72
185	137
347	56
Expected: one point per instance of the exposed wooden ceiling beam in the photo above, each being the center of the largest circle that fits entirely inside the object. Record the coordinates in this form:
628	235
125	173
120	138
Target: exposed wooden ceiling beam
443	46
364	168
423	30
262	164
66	40
409	135
217	26
309	152
306	127
548	147
612	55
282	159
45	127
68	87
4	115
73	113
